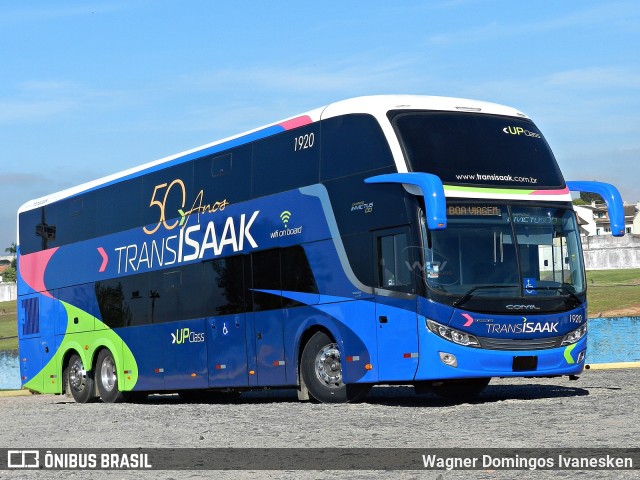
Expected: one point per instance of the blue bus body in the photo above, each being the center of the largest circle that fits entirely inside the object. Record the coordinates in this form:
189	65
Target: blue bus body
221	270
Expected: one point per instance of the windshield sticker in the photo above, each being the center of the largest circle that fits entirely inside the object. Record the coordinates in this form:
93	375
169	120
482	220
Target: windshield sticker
433	270
520	131
529	285
495	177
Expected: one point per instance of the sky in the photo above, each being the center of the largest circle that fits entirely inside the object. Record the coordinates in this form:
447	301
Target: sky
89	88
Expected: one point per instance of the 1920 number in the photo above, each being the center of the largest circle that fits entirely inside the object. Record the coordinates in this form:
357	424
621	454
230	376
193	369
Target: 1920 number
303	142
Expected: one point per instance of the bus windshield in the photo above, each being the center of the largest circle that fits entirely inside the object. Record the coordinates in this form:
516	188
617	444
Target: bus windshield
494	249
477	149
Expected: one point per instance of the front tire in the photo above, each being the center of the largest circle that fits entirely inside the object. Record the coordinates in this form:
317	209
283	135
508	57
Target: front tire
107	378
321	371
78	380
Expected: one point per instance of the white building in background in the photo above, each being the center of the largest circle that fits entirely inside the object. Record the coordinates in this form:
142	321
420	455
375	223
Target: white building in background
603	251
594	219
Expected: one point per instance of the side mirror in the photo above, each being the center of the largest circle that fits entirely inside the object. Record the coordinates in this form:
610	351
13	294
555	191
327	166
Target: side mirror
611	197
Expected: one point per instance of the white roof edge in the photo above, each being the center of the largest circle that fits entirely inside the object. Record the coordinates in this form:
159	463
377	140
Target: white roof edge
376	105
383	103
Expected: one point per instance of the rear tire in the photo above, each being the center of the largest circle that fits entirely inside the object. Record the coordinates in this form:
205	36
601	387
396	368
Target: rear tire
107	378
459	390
78	380
321	371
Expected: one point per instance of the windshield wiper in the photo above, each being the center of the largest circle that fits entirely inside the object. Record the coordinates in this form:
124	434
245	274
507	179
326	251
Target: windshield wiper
563	288
464	298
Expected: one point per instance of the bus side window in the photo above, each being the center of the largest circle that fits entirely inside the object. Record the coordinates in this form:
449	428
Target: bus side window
267	287
285	161
352	144
224	278
393	262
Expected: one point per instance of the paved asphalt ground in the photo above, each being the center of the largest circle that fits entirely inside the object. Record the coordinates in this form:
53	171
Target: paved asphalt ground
601	409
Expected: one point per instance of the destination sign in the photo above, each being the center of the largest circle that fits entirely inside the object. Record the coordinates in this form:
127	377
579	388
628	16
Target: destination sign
474	210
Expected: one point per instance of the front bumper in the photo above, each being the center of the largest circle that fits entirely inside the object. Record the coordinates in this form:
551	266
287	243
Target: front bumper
479	362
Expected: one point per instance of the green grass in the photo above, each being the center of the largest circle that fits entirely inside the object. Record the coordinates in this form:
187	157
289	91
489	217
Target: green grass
611	290
8	325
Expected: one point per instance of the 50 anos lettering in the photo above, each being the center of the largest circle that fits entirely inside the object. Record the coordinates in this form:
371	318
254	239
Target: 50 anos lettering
159	200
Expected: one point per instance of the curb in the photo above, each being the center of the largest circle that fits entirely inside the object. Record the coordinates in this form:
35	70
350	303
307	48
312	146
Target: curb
612	366
14	393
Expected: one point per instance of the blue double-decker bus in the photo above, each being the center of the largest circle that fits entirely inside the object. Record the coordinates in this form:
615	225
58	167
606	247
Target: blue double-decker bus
413	240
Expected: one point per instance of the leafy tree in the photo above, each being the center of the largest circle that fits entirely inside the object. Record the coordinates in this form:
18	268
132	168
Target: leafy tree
12	250
589	197
9	275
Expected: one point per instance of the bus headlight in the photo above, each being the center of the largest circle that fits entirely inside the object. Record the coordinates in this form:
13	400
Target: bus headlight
455	336
573	337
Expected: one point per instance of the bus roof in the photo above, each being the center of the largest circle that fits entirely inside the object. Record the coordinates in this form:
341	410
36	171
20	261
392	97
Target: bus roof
376	105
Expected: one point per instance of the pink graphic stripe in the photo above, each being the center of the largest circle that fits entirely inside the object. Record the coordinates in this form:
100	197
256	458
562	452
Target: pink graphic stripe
296	122
469	319
105	259
32	268
550	192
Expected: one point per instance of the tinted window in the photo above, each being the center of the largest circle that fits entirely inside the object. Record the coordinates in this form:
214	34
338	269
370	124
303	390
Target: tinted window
394	261
467	148
224	176
176	294
114	307
154	297
35	231
296	274
224	286
266	276
124	301
352	144
296	271
286	161
118	207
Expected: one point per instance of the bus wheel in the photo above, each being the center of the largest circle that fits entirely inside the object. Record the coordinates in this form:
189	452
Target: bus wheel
460	390
78	380
107	378
321	371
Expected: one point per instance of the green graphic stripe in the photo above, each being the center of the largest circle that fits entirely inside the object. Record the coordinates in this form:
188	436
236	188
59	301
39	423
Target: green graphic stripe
567	354
510	191
85	334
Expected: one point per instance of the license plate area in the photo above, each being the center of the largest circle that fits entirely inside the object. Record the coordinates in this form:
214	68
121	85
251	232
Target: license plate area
522	363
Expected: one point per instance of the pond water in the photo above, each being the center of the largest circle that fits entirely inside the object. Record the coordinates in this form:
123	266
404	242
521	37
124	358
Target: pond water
613	340
9	370
610	340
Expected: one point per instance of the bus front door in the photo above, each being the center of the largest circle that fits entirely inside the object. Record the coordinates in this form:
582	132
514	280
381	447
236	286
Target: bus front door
396	318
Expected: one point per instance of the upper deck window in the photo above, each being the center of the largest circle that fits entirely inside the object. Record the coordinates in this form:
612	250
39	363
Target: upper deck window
477	149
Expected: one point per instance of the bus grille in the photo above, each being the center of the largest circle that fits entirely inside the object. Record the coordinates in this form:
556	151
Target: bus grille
511	344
